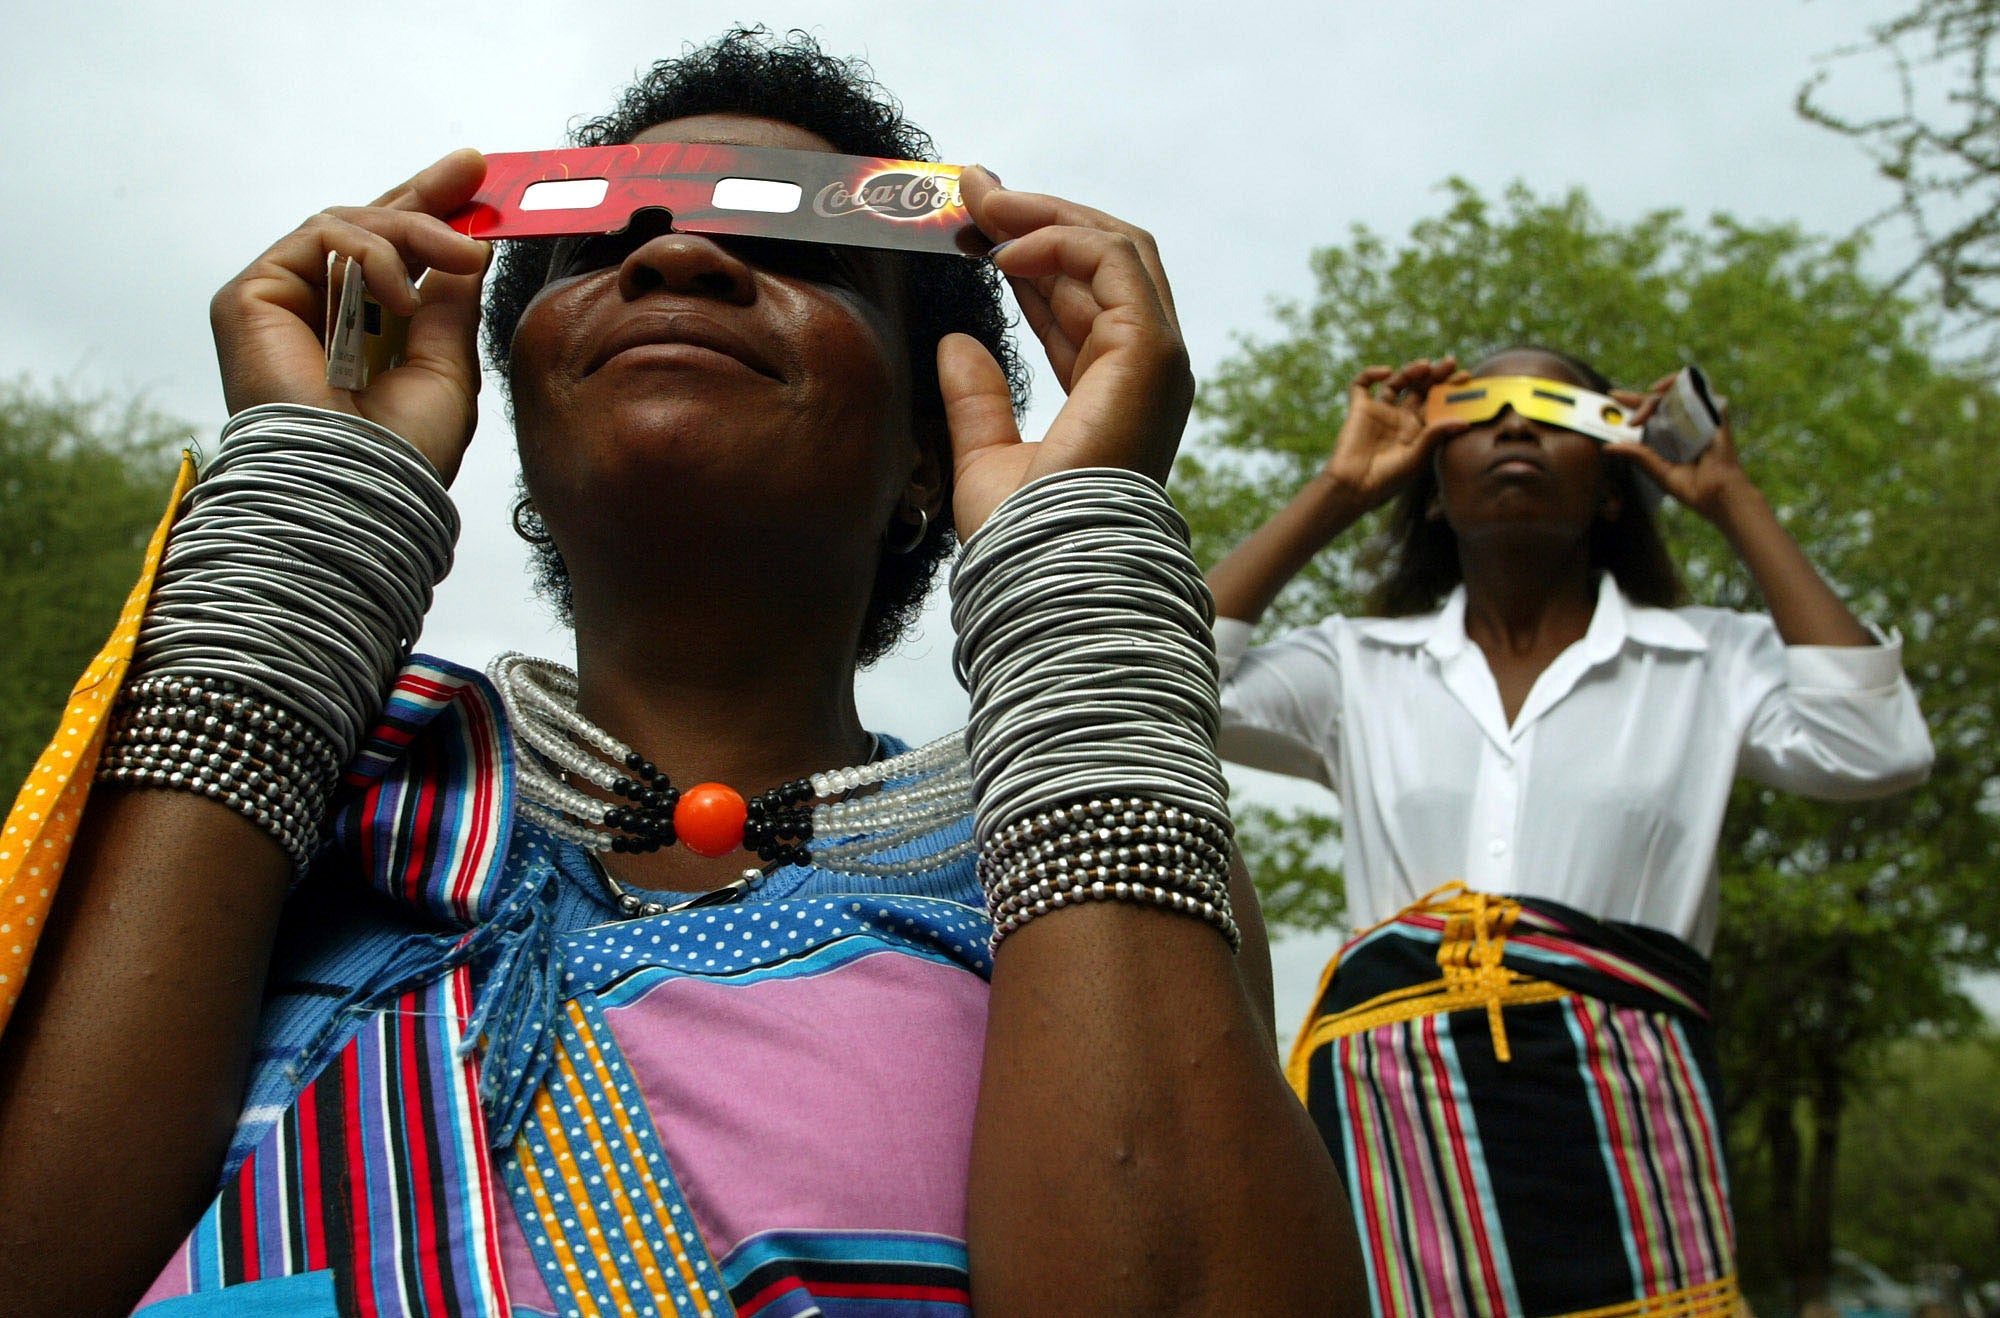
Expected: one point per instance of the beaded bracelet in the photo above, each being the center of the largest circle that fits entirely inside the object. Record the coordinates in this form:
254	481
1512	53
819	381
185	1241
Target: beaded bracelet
1120	849
224	707
1021	904
1144	861
208	735
1168	846
1111	821
1100	884
1163	851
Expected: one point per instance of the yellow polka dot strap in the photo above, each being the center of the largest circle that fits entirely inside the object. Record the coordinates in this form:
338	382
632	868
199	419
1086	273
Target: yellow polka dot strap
35	843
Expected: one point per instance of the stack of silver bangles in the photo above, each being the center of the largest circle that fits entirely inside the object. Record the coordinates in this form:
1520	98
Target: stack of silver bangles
292	587
1084	638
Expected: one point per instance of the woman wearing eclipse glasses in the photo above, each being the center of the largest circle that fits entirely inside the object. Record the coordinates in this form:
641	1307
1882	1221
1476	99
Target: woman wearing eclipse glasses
1533	741
517	1032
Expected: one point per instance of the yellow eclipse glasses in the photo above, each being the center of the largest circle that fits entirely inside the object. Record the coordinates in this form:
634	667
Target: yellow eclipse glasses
1551	401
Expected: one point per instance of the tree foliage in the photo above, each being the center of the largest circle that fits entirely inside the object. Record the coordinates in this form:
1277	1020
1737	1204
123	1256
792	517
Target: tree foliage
1938	145
82	481
1845	927
1921	1185
1917	1189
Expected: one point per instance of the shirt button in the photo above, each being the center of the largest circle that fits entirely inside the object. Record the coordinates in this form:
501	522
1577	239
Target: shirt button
1498	846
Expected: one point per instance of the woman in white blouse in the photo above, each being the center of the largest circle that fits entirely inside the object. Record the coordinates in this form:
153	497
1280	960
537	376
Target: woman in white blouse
1516	1069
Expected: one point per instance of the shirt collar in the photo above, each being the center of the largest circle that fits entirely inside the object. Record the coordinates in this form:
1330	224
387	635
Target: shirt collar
1442	633
1659	629
1614	621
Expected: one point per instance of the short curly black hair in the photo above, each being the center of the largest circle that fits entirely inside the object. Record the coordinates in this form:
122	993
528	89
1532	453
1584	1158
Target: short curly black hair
789	78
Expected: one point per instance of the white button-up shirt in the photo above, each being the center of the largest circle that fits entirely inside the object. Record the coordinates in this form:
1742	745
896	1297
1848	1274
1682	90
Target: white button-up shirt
1607	792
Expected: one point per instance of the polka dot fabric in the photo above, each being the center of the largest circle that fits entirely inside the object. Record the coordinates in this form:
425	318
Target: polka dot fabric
35	842
750	941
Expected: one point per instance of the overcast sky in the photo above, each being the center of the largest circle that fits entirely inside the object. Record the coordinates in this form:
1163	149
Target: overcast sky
153	149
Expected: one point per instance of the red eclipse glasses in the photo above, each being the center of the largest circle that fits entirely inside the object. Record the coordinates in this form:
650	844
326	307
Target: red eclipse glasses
753	191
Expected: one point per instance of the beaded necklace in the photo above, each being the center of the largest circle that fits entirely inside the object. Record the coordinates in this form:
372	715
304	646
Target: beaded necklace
921	791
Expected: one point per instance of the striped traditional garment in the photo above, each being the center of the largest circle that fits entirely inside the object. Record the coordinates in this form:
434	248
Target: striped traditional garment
1524	1104
761	1108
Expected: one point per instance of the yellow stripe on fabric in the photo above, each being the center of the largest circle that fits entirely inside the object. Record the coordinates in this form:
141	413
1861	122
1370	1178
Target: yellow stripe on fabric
1295	1066
1408	1004
1444	893
545	1115
579	1193
579	1197
607	1161
1711	1299
662	1212
1443	1098
1704	1141
1663	1132
1422	1108
41	828
1470	948
1373	1152
1632	1155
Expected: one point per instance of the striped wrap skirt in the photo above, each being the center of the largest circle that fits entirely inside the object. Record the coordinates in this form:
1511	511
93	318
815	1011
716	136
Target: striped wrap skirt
1524	1104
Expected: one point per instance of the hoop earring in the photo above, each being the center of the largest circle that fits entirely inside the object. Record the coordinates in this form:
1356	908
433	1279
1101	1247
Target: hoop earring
528	524
923	529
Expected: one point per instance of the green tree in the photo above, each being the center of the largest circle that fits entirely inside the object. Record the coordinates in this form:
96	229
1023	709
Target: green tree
1920	1184
1845	927
82	482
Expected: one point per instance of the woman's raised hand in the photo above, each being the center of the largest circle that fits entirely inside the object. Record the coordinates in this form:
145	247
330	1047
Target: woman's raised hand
1092	290
1384	440
1707	484
268	320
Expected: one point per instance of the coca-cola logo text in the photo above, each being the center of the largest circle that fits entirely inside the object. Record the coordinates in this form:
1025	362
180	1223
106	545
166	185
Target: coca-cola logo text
897	196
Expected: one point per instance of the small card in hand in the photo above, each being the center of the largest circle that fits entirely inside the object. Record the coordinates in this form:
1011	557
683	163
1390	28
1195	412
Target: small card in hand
363	338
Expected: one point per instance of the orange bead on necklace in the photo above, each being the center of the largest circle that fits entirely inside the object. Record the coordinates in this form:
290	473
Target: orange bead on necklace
709	819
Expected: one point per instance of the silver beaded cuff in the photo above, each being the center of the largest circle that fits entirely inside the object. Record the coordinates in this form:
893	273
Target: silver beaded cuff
1120	849
208	735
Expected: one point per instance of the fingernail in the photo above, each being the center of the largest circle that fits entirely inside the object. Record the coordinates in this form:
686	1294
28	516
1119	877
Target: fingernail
993	253
988	172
